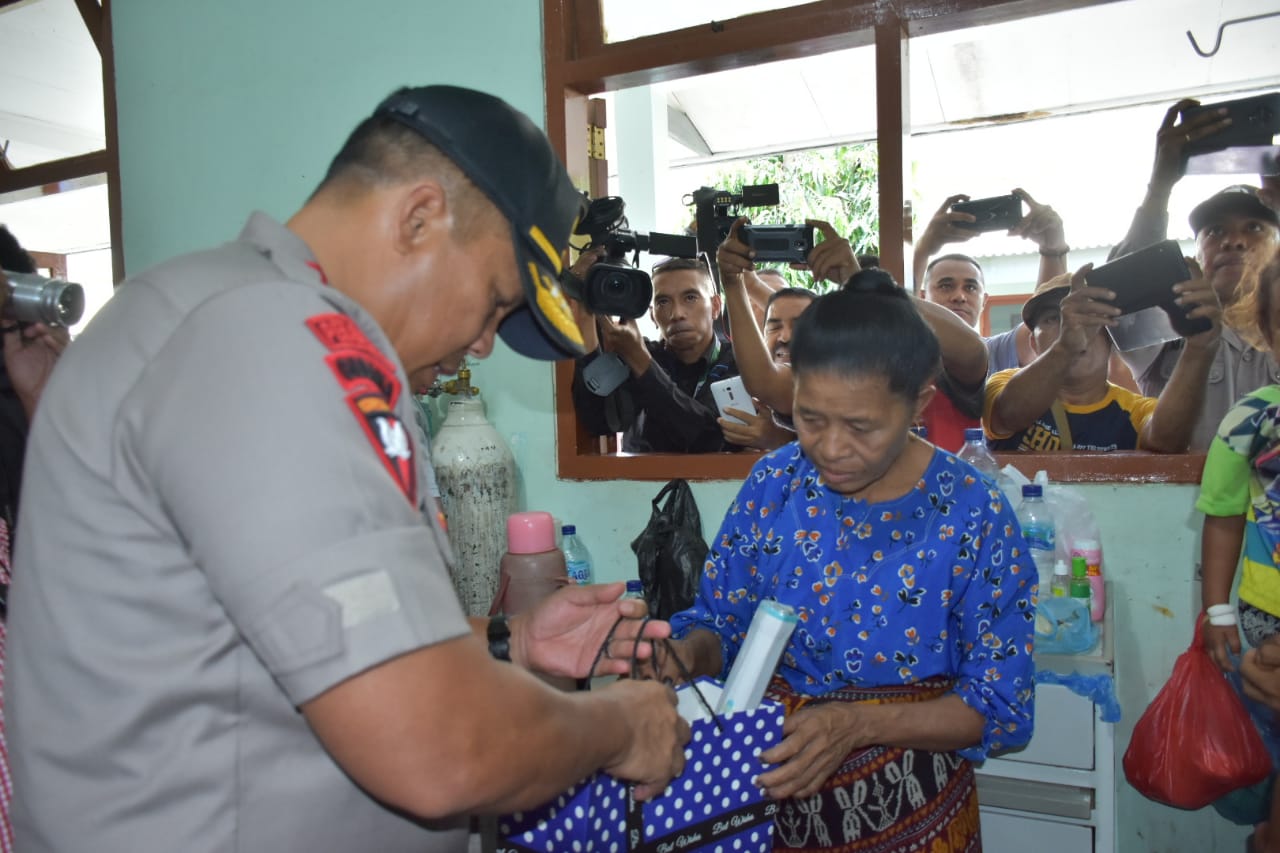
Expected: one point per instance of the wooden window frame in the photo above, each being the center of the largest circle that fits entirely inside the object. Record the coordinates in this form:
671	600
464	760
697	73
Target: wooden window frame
47	176
578	64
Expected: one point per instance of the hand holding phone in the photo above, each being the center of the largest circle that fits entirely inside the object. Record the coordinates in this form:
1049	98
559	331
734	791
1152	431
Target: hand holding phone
998	213
731	393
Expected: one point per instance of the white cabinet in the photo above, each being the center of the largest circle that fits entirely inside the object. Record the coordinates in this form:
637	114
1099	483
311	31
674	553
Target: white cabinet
1056	795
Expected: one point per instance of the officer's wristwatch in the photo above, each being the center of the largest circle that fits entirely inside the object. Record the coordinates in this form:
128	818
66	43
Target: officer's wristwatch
499	638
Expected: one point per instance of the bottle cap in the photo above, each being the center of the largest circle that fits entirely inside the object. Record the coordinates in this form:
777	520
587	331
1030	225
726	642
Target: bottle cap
1031	490
973	433
1079	567
635	587
568	530
1060	568
530	533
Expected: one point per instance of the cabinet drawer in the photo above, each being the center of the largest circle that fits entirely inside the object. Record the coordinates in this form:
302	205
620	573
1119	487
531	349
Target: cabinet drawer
1063	731
1013	833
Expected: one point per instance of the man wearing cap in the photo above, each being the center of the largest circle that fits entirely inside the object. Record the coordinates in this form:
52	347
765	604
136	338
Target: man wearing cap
1236	235
1063	401
234	628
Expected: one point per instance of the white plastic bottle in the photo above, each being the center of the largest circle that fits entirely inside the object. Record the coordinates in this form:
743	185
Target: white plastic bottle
577	558
1061	579
1037	528
975	452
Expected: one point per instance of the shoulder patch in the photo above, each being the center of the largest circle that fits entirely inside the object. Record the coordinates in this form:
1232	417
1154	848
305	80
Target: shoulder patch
372	389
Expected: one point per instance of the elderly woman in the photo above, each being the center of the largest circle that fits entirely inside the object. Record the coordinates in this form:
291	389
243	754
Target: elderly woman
911	580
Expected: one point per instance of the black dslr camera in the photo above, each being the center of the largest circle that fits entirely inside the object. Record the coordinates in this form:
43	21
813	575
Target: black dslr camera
612	286
772	243
33	298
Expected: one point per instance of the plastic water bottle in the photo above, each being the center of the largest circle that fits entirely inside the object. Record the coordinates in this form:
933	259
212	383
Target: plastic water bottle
975	452
577	558
1037	529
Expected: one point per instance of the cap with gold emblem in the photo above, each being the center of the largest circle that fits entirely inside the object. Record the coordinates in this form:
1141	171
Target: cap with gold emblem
511	161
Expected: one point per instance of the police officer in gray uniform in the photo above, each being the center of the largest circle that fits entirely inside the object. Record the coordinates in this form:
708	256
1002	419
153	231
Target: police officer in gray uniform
232	627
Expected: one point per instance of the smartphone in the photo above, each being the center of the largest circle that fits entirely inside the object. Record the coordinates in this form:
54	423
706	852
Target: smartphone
1254	121
1145	279
779	243
998	213
732	393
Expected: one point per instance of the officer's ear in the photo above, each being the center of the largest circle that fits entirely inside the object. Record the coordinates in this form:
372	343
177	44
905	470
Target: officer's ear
422	213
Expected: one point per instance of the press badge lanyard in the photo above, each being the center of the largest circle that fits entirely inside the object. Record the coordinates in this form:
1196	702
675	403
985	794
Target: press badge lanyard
712	358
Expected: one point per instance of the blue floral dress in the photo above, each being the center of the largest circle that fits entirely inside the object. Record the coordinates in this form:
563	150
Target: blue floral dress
935	584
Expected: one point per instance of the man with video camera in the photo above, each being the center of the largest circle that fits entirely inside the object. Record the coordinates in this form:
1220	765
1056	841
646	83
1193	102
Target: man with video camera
1237	233
658	393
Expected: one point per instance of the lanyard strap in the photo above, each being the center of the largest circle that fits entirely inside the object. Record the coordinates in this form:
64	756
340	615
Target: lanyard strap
712	358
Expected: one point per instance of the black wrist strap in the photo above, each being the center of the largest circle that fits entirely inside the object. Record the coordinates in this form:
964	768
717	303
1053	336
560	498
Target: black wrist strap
499	638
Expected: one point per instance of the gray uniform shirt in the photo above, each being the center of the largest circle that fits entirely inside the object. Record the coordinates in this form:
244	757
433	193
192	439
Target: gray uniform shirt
223	517
1237	369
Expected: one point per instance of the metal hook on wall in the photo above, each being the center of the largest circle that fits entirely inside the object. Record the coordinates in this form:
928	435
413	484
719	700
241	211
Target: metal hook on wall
1218	42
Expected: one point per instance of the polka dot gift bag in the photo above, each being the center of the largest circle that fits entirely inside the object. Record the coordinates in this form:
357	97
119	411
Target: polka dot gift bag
714	805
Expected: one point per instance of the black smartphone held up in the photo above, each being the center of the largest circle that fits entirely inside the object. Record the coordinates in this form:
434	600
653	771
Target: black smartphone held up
779	243
1254	121
1145	279
998	213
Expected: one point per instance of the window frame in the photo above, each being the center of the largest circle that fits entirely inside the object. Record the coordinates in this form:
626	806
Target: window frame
578	63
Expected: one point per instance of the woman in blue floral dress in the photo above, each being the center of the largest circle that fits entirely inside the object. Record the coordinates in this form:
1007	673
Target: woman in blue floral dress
911	580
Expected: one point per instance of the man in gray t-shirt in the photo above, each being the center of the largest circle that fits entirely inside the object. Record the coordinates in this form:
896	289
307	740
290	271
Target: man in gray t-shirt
232	626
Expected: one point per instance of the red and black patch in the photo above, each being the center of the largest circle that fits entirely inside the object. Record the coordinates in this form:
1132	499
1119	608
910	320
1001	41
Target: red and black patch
373	389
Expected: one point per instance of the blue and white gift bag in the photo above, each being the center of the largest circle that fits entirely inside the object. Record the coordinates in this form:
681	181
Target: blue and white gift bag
714	805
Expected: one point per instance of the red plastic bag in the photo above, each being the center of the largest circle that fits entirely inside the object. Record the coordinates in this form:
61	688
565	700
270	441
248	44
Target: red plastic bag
1195	742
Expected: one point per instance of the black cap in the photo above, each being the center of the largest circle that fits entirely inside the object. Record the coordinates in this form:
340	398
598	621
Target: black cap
511	161
1240	198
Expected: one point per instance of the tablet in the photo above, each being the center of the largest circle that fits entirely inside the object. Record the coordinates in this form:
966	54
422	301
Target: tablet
1145	279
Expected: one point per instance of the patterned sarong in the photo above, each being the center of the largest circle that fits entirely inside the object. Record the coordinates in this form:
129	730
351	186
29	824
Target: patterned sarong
884	799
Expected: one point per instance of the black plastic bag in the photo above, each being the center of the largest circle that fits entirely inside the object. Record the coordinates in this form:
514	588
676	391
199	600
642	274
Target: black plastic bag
671	551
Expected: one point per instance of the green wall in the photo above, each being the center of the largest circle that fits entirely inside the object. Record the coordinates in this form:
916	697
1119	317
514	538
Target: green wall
238	105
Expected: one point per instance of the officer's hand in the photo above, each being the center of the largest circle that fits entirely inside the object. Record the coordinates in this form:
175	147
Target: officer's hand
654	750
568	630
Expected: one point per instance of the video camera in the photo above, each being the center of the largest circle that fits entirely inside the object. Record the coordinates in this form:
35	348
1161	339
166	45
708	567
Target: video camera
35	299
714	219
612	286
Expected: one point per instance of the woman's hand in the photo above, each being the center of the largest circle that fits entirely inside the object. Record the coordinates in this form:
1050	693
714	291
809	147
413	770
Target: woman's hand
816	739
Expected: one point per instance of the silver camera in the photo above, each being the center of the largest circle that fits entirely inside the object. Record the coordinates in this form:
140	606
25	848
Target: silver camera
36	299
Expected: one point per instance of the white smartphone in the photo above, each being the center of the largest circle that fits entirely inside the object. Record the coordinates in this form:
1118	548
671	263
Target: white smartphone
731	393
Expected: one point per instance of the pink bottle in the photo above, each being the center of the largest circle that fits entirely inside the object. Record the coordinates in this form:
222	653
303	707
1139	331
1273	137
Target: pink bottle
1092	553
533	566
